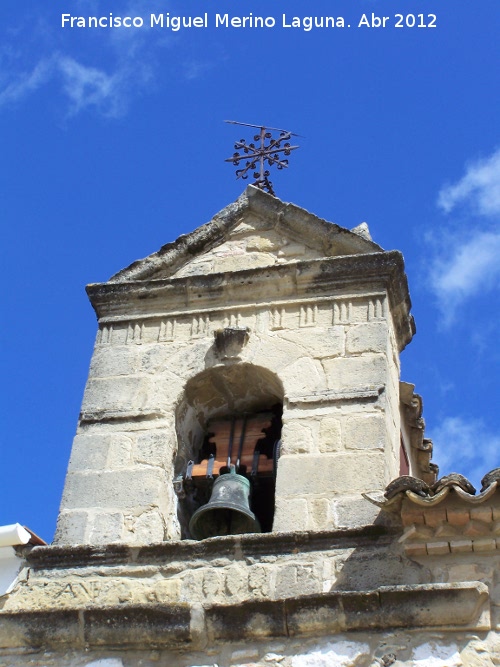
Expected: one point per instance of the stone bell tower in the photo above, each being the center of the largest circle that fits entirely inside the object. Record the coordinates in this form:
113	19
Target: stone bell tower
266	320
244	391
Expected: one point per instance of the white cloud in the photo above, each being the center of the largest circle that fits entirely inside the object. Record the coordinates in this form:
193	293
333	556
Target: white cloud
464	270
125	66
27	82
83	86
128	60
480	188
465	255
467	447
91	87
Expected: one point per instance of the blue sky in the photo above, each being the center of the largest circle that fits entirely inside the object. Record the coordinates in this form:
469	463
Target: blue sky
113	143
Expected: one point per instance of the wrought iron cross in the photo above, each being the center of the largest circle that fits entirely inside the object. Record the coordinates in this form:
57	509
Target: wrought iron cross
274	153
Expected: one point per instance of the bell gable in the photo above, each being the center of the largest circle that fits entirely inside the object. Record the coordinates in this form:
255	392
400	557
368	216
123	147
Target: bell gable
256	231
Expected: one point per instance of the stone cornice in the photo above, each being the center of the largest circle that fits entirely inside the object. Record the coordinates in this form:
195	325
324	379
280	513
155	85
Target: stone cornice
331	276
246	546
148	626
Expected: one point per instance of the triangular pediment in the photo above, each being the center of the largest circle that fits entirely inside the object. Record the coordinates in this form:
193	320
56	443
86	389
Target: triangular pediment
257	230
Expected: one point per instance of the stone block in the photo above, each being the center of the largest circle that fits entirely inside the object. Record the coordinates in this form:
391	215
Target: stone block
309	617
353	511
240	262
429	605
341	473
140	627
183	363
119	453
236	582
290	514
365	569
303	376
354	372
361	610
330	439
106	528
319	514
368	337
146	528
118	394
125	489
71	527
110	361
253	619
40	629
319	342
156	359
367	431
155	448
258	580
299	436
89	452
212	584
271	352
192	589
297	579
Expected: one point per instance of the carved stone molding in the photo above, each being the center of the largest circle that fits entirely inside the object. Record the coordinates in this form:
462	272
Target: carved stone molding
147	626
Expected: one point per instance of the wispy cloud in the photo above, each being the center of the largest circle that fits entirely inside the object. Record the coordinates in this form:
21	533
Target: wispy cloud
479	187
126	65
91	87
464	269
468	445
84	87
26	82
466	254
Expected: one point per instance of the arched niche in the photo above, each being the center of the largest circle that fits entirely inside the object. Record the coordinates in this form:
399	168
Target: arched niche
219	393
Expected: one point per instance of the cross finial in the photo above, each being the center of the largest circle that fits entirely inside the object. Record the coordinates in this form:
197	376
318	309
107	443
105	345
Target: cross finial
256	155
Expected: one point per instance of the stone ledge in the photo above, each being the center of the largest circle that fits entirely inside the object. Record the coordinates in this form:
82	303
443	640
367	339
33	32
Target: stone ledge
327	275
251	545
119	416
429	606
437	606
331	396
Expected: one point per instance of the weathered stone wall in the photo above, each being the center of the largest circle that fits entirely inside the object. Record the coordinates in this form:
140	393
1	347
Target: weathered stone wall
374	649
346	598
335	360
326	315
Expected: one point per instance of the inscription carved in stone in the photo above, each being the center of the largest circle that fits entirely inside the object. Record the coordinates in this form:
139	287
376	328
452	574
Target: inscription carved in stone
104	591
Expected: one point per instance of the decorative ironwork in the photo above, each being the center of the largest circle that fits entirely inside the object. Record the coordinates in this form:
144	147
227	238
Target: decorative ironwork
255	156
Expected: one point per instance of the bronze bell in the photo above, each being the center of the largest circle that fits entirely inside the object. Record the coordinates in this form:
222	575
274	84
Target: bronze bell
227	512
